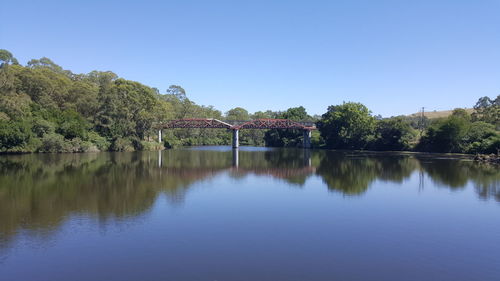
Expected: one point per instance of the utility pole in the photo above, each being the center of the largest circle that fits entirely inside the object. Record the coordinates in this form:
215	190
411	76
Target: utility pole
422	122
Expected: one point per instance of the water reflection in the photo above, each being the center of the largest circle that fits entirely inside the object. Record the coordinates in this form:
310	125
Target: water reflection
38	192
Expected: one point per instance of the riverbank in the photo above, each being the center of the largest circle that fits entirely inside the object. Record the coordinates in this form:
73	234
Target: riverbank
154	146
488	158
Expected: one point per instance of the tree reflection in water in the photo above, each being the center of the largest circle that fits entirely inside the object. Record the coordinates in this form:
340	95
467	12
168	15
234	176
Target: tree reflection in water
37	192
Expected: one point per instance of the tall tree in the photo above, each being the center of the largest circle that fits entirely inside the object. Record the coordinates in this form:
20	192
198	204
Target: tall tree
289	138
238	113
6	58
488	110
393	134
347	126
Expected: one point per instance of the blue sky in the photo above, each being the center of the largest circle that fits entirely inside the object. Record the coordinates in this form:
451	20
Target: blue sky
393	56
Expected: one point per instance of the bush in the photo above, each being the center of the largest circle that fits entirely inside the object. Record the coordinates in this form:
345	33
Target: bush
151	146
122	144
101	143
73	125
14	135
445	135
171	143
393	134
32	145
54	143
136	143
78	145
486	146
490	145
42	127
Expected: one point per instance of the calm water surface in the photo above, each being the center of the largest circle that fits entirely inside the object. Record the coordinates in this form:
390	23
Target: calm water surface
257	214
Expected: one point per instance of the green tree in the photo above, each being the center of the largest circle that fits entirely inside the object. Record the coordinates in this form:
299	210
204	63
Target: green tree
184	108
393	134
14	134
487	110
481	137
347	126
461	113
6	58
287	138
238	113
445	135
72	125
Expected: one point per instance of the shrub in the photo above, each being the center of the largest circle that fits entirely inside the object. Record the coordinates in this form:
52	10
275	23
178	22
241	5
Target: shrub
122	144
445	135
171	143
54	143
100	142
393	134
14	134
151	146
42	127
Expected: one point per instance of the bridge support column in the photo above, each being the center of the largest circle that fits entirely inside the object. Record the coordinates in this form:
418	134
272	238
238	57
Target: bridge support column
159	136
236	140
307	138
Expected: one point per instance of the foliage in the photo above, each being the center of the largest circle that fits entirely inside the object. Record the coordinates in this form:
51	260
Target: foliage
122	144
14	134
458	133
287	138
347	126
42	102
54	143
72	125
488	110
445	135
99	141
393	134
45	108
238	113
6	57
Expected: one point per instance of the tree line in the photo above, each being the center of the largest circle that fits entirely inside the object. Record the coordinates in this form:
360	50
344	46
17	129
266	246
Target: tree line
45	108
352	126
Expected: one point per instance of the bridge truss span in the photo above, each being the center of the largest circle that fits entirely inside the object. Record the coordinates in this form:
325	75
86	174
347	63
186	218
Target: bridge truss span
235	126
273	124
196	123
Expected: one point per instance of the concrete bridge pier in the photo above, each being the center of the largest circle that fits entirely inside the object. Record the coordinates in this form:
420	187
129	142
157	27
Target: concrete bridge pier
307	138
159	136
236	140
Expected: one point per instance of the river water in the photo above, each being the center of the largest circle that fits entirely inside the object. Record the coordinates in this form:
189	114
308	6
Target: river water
212	213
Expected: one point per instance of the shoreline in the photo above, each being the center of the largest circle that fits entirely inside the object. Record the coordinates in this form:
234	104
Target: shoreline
475	157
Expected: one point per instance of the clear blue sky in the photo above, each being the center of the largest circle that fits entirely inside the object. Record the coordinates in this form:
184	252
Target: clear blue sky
393	56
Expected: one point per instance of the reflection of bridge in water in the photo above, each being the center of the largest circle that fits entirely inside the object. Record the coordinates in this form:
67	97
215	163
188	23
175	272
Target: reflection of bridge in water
236	126
277	172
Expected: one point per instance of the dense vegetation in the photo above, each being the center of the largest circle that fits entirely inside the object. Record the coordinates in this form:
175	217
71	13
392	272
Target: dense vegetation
351	126
44	108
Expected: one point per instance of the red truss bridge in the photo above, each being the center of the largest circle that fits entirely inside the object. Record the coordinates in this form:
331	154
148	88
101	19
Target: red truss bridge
235	126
